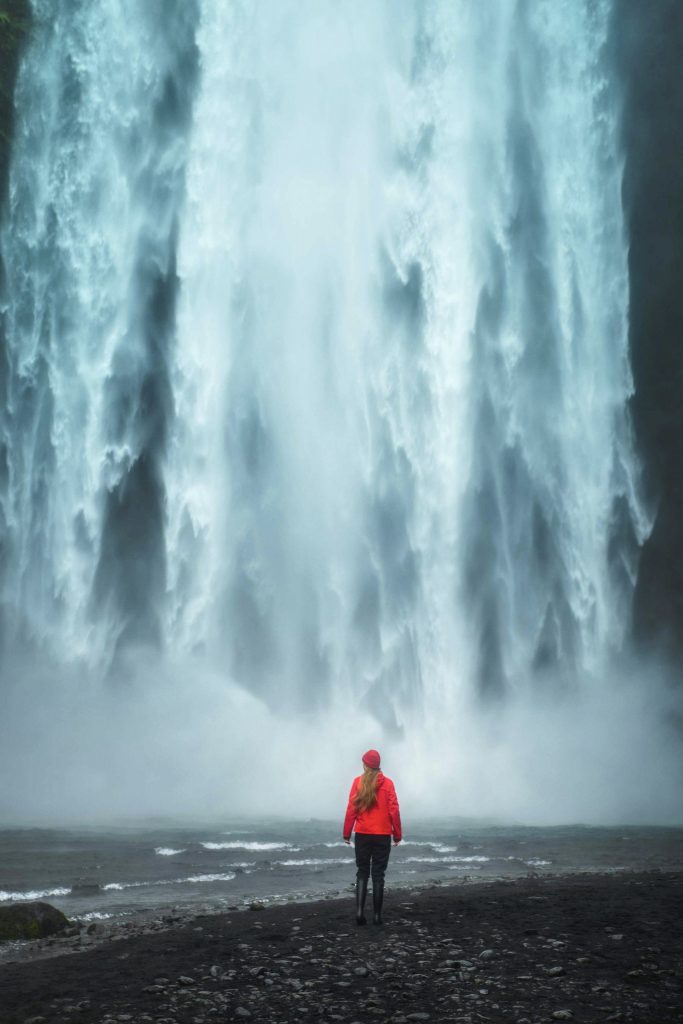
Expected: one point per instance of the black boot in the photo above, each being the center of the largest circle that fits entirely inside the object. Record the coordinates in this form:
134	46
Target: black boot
377	900
361	893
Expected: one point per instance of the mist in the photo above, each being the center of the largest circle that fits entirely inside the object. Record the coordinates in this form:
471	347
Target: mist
180	744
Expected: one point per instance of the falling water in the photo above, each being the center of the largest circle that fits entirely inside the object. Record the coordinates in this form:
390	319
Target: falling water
316	341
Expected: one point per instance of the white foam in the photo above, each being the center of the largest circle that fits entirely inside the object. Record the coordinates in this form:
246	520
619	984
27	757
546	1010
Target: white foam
210	878
234	845
313	861
33	894
444	860
536	861
120	886
167	851
95	915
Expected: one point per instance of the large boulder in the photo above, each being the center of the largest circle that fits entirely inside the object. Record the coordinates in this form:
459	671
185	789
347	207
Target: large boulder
30	921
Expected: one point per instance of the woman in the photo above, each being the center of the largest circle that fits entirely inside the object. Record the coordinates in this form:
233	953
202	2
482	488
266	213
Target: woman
373	808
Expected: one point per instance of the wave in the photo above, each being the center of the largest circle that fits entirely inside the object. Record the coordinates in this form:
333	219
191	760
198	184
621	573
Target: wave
234	845
227	877
167	851
33	894
313	861
443	860
214	877
534	862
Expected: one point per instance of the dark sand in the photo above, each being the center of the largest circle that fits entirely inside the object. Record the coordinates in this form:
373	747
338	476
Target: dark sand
598	947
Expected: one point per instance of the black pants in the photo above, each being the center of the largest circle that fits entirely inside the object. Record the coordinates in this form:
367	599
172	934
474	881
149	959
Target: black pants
372	856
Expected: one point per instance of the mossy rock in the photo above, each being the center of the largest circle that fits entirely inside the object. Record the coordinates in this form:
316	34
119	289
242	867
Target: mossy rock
33	920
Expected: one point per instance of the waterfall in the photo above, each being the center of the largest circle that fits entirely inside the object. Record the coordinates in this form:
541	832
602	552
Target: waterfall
315	327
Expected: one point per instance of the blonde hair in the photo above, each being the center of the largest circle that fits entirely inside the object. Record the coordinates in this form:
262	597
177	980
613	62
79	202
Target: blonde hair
367	791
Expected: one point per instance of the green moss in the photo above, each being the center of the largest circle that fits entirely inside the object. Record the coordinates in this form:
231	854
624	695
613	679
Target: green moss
20	930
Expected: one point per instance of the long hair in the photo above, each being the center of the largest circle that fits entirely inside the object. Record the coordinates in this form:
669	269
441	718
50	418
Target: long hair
367	791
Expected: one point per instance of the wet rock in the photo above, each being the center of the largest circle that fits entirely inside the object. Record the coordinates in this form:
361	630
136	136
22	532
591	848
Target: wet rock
185	980
34	920
256	905
486	954
242	1012
555	972
562	1014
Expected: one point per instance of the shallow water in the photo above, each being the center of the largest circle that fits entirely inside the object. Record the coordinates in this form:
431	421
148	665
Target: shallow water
156	866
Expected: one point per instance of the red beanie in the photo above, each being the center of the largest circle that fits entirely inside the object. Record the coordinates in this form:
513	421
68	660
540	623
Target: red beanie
371	758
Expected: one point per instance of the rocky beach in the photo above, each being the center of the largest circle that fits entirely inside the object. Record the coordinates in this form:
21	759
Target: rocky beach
588	947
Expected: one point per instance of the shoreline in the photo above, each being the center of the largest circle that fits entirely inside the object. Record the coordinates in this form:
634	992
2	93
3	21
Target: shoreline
86	933
600	946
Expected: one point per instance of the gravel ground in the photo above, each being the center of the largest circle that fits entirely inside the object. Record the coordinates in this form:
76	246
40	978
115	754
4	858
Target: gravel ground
588	947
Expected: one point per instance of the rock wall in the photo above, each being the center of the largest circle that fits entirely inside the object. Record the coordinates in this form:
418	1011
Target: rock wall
649	41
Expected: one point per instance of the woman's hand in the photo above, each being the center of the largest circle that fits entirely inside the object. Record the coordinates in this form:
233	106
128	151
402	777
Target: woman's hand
347	841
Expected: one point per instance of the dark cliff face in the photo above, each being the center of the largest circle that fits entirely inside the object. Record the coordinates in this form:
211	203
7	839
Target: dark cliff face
14	24
648	45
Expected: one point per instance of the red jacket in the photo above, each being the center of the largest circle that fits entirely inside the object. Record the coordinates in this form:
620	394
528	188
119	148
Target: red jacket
382	819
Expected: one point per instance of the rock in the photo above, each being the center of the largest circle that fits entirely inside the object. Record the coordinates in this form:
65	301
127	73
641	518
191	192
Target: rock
616	936
256	906
34	920
562	1015
214	971
185	980
362	972
418	1016
486	954
242	1012
35	1020
554	972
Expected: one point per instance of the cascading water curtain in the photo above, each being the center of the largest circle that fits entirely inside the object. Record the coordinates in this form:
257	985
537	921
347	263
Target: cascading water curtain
315	326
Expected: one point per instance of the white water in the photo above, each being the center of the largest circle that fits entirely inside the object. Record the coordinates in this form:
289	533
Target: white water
370	452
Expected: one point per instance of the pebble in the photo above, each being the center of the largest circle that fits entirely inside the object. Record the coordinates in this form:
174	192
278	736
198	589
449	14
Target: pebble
486	954
242	1011
554	972
562	1015
185	980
